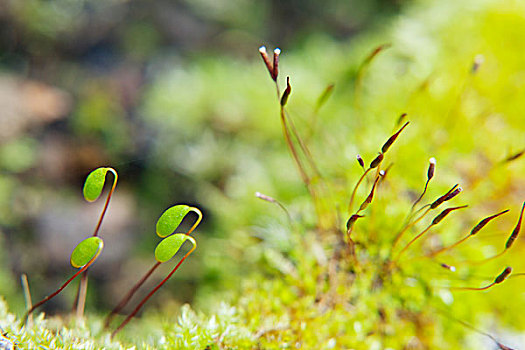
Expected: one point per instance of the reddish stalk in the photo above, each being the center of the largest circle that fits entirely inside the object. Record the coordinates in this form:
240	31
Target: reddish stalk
510	240
352	197
150	294
362	69
80	300
434	222
49	297
444	249
474	231
430	175
197	222
97	228
499	279
405	228
134	289
128	296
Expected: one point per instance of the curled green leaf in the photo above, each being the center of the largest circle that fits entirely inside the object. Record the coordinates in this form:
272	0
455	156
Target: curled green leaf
168	247
86	251
172	217
95	183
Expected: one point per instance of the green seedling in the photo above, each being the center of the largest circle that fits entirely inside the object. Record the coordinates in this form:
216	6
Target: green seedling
168	222
83	256
92	190
87	251
93	187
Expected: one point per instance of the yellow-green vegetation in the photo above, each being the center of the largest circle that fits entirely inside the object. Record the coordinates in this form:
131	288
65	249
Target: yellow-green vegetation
457	70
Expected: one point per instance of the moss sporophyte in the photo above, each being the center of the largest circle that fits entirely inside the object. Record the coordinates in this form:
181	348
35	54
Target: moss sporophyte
88	250
358	260
171	243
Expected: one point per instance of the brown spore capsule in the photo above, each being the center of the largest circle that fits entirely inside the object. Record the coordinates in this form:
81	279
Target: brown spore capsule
392	138
401	118
484	222
514	156
516	230
351	221
444	213
502	276
286	92
447	196
360	161
266	59
375	163
431	168
368	199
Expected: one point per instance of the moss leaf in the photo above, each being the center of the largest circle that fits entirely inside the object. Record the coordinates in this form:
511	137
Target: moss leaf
168	247
171	219
94	184
85	251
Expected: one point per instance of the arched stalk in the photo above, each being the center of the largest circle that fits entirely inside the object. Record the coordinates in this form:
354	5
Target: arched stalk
52	295
80	300
154	290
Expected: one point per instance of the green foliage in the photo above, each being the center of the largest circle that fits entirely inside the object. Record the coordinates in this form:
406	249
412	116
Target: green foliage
168	247
88	249
94	184
171	219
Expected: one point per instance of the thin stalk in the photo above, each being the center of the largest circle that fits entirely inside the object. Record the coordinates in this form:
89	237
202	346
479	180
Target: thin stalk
276	202
134	289
82	293
291	147
484	261
420	197
80	300
150	294
405	228
97	228
128	296
27	296
434	222
412	241
197	222
444	249
473	288
498	280
352	197
49	297
471	327
303	146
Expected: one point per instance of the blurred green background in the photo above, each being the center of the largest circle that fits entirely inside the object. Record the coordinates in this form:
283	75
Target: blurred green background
165	92
173	95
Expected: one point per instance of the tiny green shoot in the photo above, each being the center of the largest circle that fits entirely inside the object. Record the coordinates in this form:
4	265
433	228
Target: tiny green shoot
92	190
83	256
166	225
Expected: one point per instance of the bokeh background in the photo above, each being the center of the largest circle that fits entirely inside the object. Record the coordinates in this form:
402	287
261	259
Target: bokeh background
144	87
